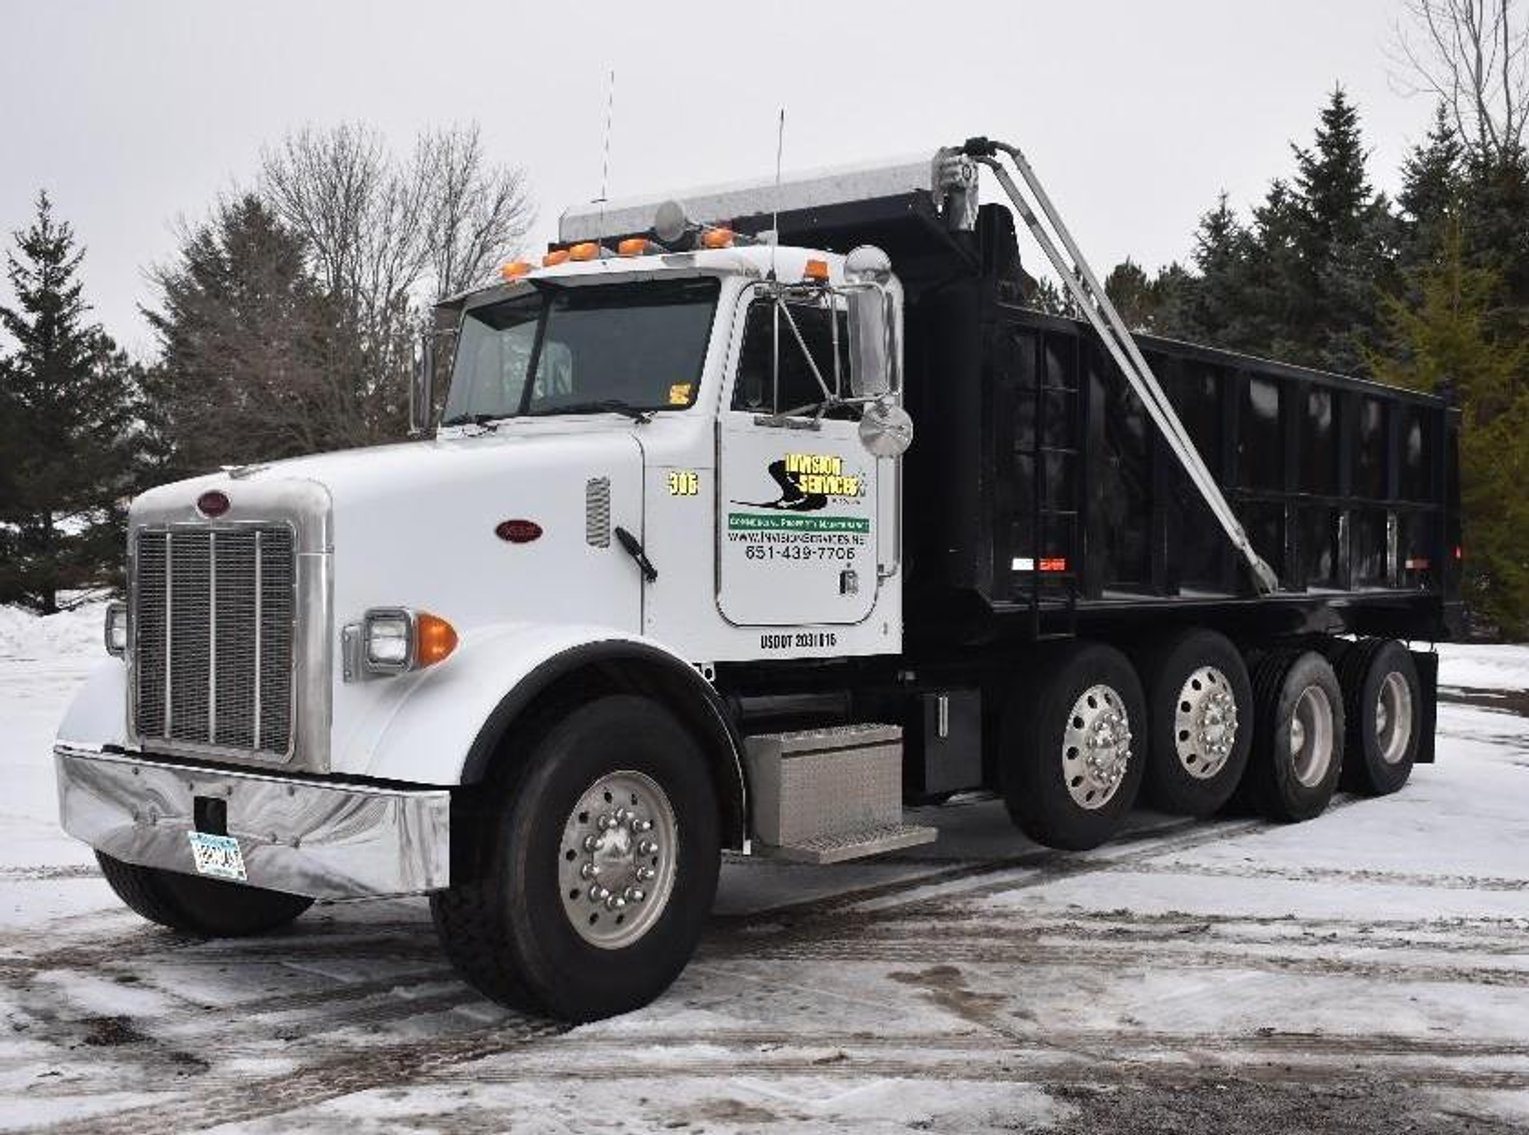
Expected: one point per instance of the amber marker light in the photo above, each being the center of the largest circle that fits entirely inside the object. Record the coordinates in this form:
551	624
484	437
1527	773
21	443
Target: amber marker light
515	269
434	639
633	246
586	250
816	270
717	238
555	257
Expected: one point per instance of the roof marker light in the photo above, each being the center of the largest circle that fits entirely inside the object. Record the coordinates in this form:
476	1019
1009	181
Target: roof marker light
585	250
554	258
717	238
633	246
515	269
816	270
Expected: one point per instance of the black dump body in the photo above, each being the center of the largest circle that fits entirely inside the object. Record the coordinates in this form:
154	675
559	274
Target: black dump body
1040	499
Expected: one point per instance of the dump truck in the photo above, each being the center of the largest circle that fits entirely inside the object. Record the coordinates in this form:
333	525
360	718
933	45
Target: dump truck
747	519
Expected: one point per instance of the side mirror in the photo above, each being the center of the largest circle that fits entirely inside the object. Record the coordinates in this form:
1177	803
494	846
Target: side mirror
872	300
422	387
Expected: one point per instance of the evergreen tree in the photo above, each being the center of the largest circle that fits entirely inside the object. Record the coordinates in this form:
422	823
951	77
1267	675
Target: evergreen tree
253	360
1432	182
68	398
1442	335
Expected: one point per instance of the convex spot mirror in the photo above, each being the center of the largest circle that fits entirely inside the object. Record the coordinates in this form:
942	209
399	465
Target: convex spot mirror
886	430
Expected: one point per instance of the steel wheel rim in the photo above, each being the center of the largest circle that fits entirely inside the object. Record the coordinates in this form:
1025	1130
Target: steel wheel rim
1205	723
1311	736
617	859
1393	718
1096	747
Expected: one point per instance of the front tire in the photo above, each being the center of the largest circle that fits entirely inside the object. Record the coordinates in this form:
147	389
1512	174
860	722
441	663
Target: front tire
206	908
1071	761
594	870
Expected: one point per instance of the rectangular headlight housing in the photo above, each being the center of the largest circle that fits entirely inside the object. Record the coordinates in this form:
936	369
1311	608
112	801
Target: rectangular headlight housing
116	628
387	640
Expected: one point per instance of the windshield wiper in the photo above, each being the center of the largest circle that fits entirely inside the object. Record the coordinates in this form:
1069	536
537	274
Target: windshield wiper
486	421
603	406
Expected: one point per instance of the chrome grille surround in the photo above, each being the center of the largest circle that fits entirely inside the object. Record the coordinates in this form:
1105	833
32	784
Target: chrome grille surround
229	625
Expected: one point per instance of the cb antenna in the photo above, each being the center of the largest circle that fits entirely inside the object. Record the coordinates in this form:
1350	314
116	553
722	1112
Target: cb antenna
605	164
780	145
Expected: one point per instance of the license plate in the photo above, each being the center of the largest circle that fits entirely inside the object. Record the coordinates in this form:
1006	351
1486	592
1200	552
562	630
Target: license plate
218	856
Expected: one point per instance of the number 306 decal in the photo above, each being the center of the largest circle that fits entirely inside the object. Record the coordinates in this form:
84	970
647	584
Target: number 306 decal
683	483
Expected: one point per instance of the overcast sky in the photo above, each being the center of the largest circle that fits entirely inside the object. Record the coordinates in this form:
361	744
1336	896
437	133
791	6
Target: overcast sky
1136	114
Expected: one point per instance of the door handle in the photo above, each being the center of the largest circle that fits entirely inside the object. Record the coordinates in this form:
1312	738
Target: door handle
633	547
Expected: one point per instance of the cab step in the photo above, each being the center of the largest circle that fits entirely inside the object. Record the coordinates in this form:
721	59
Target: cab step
853	845
830	795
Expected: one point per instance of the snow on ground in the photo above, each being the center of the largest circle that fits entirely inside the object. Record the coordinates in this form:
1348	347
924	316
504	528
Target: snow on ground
1366	971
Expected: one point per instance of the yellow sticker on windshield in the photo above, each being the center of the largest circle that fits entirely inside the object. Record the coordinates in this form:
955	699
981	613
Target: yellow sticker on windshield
679	393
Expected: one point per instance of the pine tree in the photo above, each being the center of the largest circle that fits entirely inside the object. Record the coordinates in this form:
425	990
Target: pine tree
1441	335
68	398
1343	239
253	359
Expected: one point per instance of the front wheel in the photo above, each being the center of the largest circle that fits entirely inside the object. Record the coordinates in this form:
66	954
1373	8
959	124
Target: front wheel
190	904
595	869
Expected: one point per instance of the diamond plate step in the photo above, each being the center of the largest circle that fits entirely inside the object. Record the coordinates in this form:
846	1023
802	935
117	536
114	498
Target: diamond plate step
852	845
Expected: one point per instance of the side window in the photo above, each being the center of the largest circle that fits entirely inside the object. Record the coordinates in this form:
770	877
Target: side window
755	390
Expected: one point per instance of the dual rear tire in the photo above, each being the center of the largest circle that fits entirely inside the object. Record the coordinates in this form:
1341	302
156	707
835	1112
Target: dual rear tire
1080	737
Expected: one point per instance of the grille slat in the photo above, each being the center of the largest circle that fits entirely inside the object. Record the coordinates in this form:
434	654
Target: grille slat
213	609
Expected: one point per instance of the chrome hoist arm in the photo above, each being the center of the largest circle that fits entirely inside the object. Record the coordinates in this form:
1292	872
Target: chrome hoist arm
1096	307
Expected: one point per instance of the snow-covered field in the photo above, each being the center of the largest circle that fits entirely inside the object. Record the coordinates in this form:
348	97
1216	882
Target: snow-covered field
1366	971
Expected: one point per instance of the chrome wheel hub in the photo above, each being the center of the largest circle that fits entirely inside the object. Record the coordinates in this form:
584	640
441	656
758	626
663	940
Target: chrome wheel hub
1311	736
1393	718
1096	747
616	863
1205	723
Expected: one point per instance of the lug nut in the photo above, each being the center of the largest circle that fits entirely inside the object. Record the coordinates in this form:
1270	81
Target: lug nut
589	870
615	902
647	847
634	894
591	842
604	822
644	874
598	893
642	825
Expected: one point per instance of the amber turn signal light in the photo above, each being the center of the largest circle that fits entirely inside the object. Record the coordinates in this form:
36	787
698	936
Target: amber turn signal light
434	639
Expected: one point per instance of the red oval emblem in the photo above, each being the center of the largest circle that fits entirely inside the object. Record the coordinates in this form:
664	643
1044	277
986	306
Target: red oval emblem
518	531
212	504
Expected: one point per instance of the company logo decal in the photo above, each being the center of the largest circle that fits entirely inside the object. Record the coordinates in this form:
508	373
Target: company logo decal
807	481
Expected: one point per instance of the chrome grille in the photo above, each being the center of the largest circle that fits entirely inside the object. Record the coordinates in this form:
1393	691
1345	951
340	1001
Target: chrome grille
212	616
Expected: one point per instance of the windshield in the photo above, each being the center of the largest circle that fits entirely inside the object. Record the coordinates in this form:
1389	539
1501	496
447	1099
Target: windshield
639	345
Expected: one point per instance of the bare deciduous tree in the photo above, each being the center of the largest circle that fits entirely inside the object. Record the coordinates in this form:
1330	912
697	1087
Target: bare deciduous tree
1473	55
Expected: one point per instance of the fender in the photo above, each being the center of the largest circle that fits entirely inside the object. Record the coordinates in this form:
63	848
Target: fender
447	724
97	715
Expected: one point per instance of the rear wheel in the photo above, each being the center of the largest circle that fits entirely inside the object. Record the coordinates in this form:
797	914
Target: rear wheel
207	908
1382	700
1200	709
1071	760
594	870
1298	746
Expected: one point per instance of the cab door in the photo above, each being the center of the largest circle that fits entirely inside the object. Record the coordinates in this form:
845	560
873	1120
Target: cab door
797	492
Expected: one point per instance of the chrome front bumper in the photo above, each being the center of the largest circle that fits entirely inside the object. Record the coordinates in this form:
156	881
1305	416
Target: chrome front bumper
299	836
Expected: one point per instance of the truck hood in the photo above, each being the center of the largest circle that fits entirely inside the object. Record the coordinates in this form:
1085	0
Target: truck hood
414	524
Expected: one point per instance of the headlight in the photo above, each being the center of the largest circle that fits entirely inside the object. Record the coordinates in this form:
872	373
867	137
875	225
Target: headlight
394	640
116	629
389	637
